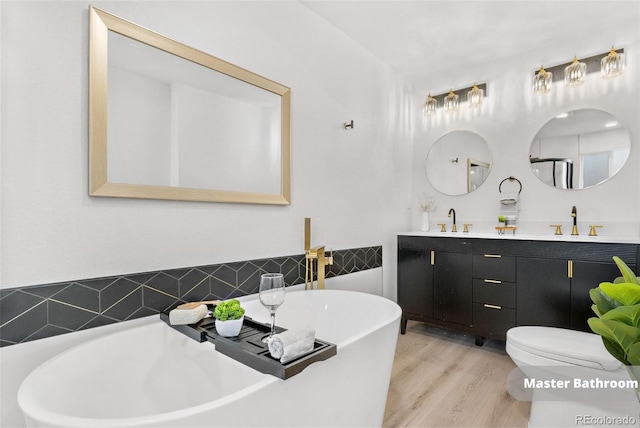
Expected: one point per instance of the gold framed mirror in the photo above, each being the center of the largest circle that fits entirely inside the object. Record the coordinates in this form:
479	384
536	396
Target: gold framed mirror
167	121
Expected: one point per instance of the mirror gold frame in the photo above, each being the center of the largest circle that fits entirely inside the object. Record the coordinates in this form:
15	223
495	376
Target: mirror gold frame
100	23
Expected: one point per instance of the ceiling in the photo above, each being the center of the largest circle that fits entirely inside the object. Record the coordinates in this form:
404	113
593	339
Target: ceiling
436	44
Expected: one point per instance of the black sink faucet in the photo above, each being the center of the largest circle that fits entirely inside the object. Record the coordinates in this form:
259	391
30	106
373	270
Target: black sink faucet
574	215
453	212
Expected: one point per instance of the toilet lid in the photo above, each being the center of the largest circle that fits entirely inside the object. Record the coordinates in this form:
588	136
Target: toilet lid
569	346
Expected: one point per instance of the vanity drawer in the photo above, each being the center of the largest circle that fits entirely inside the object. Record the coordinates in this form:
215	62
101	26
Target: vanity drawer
492	321
494	266
494	292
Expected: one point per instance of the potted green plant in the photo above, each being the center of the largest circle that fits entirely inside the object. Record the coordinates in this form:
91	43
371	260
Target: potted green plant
617	305
229	316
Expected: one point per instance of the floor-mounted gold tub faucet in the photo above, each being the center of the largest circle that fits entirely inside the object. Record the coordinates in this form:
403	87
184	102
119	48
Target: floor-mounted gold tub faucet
314	256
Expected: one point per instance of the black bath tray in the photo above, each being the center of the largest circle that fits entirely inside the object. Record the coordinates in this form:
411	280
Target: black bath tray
248	348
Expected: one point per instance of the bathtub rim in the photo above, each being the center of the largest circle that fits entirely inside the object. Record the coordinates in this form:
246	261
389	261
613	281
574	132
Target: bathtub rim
45	416
370	328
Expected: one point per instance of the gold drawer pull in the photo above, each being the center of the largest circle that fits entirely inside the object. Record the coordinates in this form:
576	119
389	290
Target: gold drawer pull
495	256
492	306
493	281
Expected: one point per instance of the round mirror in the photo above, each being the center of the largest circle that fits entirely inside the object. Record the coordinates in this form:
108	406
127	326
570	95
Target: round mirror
458	163
579	149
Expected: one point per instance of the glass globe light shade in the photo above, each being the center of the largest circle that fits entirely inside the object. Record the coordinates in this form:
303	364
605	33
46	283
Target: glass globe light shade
430	105
613	64
451	102
542	81
575	73
474	96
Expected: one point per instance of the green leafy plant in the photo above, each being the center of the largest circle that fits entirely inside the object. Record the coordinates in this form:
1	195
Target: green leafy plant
617	305
228	310
502	219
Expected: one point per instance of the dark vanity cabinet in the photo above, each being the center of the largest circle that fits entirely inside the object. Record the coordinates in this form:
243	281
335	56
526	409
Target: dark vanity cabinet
415	272
494	294
555	293
554	283
584	276
436	285
452	287
485	286
544	292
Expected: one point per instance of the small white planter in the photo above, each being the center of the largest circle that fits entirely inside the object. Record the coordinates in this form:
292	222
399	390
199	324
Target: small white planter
229	328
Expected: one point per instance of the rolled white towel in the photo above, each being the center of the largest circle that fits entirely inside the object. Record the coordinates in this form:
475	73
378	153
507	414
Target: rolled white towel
509	199
291	344
187	316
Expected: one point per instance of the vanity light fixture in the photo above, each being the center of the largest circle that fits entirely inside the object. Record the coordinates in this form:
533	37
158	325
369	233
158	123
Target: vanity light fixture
575	73
451	102
430	105
613	64
542	81
474	96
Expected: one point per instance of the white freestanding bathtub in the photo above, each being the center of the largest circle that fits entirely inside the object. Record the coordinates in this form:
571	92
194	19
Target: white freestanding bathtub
153	375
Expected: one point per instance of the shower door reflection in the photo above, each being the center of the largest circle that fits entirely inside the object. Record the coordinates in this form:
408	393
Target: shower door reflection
477	172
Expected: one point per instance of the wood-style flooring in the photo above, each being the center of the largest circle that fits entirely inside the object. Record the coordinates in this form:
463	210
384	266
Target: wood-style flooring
442	379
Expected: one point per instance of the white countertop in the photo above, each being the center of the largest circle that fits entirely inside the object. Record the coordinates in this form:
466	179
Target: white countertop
508	235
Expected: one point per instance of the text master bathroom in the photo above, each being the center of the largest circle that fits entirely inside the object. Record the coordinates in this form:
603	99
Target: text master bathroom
430	179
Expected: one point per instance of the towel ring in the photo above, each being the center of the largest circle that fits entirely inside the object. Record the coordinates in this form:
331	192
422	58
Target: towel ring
510	179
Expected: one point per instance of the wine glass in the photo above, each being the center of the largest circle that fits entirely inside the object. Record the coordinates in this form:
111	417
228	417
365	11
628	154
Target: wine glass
271	297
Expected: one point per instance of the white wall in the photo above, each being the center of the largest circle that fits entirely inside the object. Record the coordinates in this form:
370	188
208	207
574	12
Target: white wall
354	184
359	186
509	120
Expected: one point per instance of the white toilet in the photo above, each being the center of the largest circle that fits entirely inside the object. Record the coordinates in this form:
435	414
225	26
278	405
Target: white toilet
559	356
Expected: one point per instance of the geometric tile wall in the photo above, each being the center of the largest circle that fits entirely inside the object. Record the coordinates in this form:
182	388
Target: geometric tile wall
39	311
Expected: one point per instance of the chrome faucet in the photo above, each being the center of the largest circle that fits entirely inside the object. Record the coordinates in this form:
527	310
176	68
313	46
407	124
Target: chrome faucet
574	215
316	253
452	211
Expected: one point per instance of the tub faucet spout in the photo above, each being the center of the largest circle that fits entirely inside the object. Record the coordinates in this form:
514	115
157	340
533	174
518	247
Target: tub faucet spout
574	215
453	212
314	256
